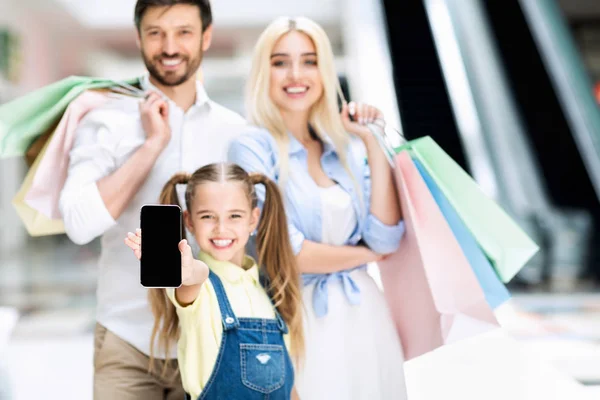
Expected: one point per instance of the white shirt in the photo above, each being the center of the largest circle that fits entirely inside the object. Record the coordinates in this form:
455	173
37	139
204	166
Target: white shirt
339	217
105	139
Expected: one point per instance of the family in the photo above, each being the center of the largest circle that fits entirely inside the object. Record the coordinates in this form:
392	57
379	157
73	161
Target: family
300	180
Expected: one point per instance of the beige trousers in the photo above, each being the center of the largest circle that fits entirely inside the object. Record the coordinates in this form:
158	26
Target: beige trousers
121	372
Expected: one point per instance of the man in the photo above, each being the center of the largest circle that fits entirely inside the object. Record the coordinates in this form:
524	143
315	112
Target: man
124	153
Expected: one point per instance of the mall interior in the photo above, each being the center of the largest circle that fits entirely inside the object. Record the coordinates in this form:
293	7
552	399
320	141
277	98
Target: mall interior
509	89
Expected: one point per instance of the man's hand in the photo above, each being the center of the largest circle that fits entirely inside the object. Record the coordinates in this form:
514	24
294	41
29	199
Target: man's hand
154	113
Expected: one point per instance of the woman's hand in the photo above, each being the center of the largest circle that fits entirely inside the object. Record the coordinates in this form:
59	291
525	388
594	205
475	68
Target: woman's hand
369	255
363	114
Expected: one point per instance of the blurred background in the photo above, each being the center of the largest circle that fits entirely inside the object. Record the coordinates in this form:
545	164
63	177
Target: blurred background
510	89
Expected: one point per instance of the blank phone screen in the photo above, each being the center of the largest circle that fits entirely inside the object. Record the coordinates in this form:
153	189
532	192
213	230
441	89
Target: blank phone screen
160	265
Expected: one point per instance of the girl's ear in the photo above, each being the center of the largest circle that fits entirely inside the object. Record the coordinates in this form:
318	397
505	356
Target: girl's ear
187	219
254	218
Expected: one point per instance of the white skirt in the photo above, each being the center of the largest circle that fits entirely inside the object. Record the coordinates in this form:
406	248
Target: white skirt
352	353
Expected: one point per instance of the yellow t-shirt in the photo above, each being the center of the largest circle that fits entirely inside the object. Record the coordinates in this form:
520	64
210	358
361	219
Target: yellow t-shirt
201	324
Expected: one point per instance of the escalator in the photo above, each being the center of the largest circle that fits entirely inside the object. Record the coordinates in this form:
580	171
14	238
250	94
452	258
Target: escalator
566	177
422	97
567	180
558	214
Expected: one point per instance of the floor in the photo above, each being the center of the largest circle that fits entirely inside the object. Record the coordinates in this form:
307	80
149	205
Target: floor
548	346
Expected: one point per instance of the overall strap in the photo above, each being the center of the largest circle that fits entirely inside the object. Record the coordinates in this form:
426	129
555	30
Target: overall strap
264	281
229	319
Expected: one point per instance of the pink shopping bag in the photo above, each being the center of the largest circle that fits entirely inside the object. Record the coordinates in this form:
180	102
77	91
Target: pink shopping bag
51	174
433	295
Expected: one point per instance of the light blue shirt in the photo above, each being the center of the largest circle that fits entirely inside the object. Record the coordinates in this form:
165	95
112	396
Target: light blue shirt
257	151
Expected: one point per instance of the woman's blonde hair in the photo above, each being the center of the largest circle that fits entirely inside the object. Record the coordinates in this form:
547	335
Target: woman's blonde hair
324	116
275	255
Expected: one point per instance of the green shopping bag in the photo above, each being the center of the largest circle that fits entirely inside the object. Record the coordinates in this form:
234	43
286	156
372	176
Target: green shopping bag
505	244
26	118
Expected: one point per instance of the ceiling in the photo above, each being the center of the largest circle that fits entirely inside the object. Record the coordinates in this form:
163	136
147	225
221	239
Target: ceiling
118	14
108	24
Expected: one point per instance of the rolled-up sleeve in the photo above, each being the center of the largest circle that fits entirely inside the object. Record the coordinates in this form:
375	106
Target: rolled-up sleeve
296	238
92	157
254	152
381	238
190	308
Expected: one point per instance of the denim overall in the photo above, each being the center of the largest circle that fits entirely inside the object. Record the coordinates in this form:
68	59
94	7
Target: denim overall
253	362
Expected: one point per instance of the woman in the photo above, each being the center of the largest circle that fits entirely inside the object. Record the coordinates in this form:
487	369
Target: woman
342	211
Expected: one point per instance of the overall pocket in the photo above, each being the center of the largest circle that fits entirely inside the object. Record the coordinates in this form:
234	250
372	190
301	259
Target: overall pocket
263	366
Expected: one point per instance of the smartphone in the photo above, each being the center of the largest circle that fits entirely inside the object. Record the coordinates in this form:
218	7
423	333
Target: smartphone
160	264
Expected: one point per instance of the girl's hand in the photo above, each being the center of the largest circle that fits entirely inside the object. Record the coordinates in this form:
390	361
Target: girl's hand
363	114
193	272
134	242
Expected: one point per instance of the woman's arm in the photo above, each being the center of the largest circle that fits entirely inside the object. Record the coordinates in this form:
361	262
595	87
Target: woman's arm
384	197
319	258
384	203
383	227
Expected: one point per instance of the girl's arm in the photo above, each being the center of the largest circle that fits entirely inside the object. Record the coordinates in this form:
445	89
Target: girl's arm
193	272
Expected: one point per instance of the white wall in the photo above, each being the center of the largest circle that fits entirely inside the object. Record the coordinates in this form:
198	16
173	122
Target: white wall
368	63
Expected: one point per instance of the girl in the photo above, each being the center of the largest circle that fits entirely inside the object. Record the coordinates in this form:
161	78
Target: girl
343	212
230	315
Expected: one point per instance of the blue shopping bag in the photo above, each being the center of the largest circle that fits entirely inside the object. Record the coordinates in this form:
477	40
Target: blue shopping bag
493	288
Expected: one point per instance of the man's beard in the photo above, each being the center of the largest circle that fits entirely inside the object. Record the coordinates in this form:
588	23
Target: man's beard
170	78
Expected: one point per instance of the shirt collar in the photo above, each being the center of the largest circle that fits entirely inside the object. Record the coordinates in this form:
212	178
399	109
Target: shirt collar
230	271
201	95
296	146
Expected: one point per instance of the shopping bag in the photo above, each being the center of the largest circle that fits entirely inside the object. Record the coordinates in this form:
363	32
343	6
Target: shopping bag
36	223
495	292
49	179
431	291
36	147
505	244
26	118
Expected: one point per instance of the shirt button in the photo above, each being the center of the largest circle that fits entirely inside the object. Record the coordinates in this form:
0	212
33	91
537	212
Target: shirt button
229	320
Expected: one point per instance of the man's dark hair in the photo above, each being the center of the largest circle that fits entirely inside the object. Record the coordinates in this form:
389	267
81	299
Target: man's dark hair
142	6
